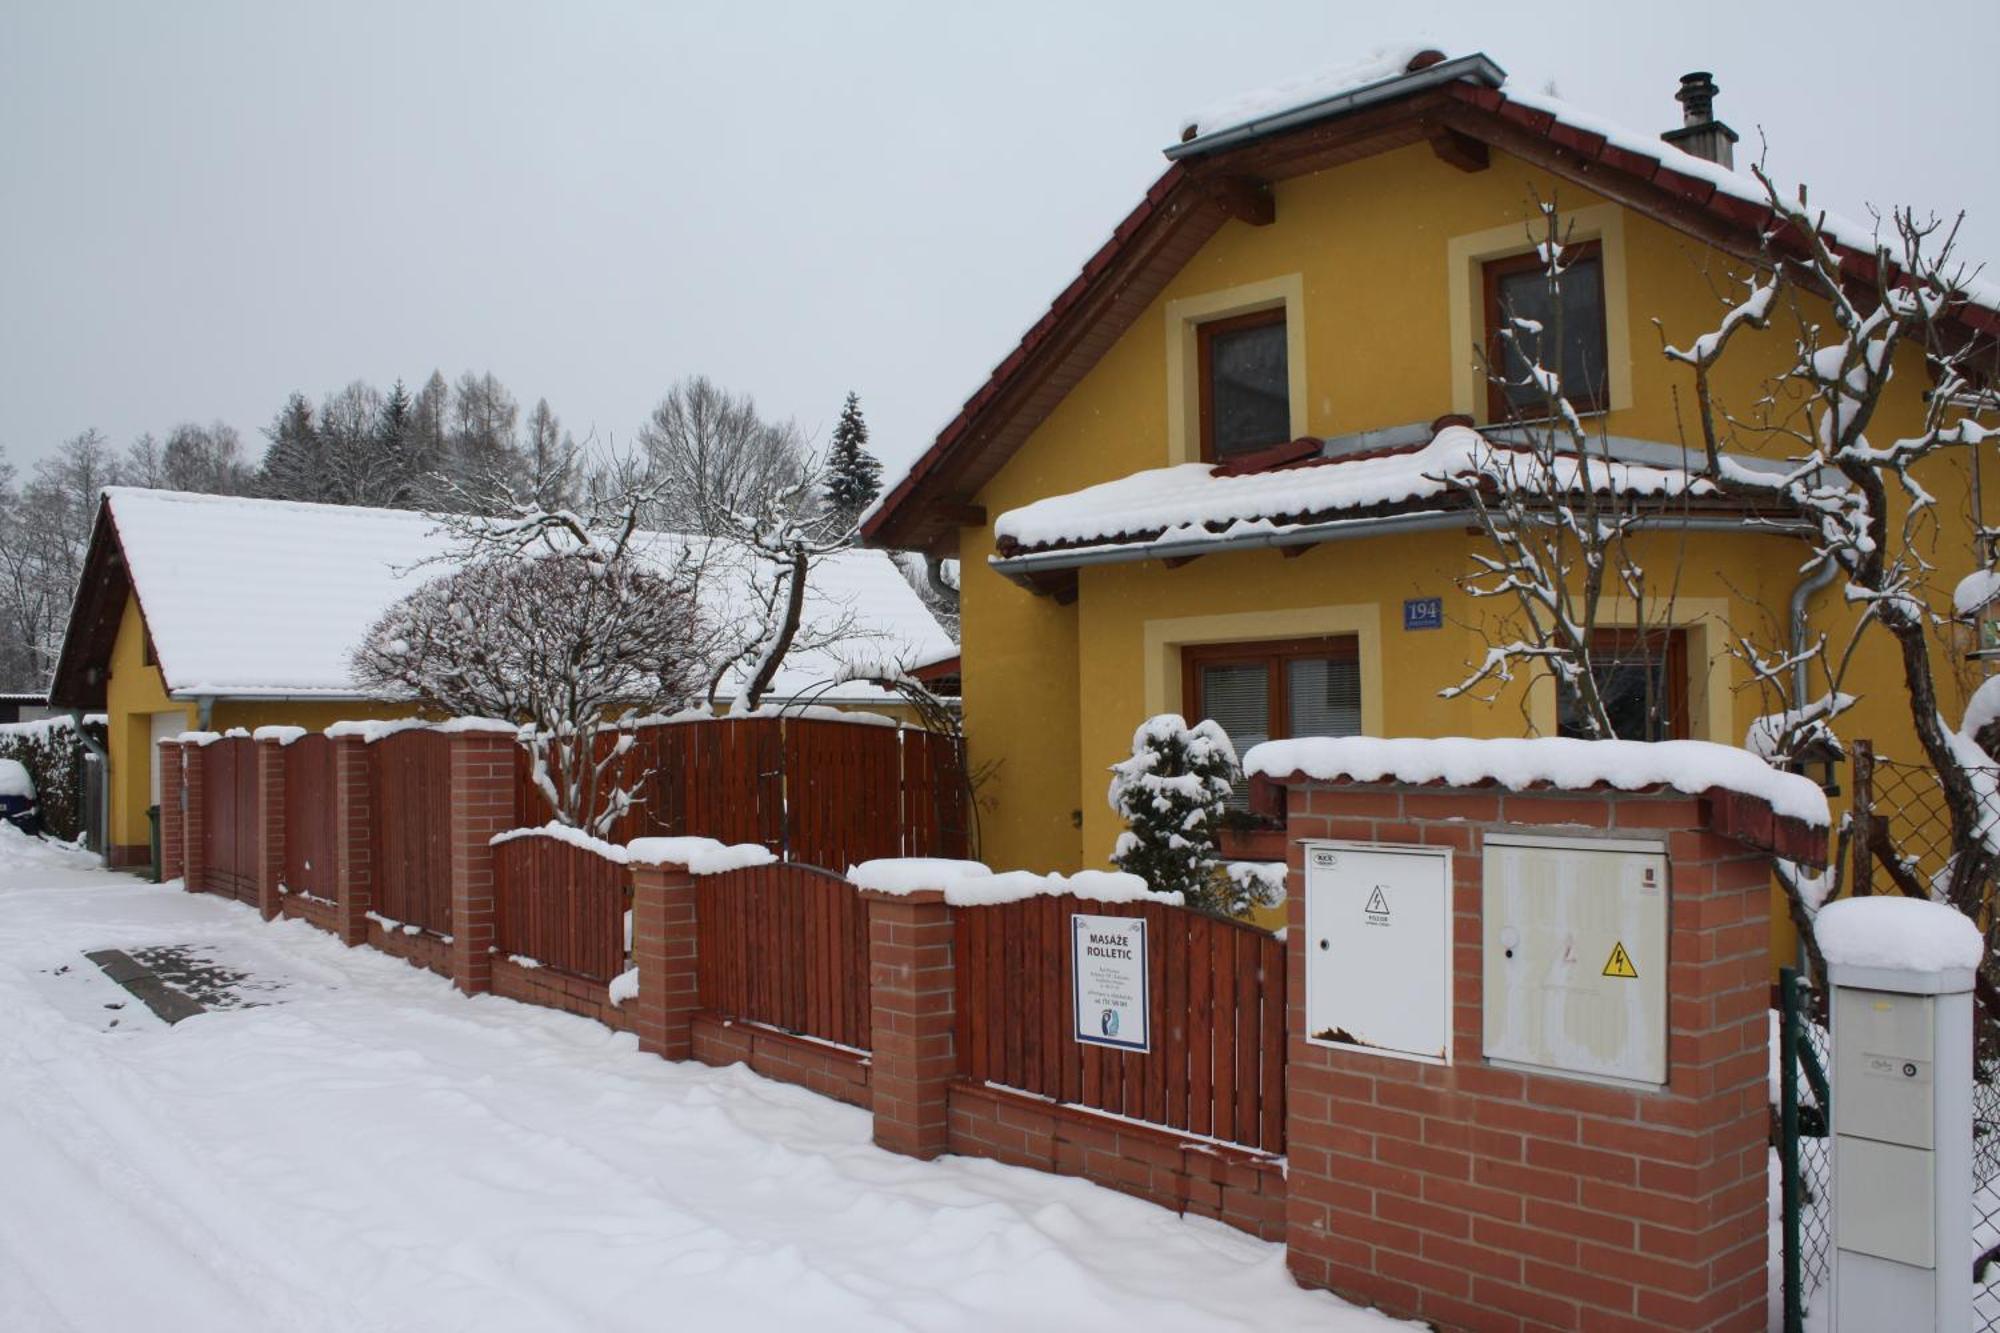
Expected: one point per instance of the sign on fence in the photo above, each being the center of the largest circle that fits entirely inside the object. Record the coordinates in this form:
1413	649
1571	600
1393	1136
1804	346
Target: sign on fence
1109	964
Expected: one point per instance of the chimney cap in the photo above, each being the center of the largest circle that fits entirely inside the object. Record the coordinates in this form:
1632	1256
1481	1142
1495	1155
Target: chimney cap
1697	96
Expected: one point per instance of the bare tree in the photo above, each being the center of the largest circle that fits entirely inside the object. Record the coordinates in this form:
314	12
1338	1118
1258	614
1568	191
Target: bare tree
561	641
43	539
715	459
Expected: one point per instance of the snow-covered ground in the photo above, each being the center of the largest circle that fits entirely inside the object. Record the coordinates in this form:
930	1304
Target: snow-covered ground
364	1149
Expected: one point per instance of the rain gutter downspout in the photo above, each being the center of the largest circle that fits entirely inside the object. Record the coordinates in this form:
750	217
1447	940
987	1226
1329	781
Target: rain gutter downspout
1814	582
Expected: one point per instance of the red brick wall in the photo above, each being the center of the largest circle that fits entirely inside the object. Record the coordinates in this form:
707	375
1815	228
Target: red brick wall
665	950
419	950
482	804
829	1070
313	911
192	809
1483	1198
270	826
554	990
1232	1185
173	856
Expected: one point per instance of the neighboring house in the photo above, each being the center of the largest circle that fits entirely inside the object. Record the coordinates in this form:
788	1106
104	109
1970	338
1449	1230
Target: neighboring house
211	612
24	707
1199	484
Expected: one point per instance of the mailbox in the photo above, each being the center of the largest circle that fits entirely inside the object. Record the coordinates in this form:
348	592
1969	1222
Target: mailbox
1378	948
1575	956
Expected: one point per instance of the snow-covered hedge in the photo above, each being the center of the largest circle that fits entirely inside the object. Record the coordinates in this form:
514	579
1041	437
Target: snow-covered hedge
53	753
1693	767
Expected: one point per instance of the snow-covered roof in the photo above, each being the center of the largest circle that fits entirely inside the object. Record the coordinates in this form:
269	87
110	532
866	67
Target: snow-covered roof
1693	767
1206	502
250	598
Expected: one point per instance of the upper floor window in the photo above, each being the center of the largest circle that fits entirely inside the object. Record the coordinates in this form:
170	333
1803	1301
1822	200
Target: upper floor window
1273	691
1518	298
1642	677
1246	401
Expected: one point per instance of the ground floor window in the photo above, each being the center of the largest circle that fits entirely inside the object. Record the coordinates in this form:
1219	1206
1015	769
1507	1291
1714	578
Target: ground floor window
1274	690
1642	676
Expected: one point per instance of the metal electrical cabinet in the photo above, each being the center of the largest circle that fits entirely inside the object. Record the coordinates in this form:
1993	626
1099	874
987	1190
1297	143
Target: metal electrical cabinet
1378	948
1575	956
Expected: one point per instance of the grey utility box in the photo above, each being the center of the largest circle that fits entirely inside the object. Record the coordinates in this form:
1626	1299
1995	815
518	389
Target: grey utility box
1902	1149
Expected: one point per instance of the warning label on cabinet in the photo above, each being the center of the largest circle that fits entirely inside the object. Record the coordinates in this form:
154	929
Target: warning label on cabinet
1620	963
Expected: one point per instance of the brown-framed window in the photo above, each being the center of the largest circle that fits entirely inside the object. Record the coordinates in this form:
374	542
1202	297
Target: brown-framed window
1642	676
1517	289
1274	690
1246	387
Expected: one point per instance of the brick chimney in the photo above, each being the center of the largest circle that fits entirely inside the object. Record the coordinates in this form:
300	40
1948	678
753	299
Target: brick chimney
1700	132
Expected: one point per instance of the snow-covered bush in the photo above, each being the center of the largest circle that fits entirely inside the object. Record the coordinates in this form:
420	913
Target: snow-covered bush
561	642
1171	794
52	752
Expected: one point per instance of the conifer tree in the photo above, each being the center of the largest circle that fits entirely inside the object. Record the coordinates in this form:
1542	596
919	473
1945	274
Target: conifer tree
1171	794
854	476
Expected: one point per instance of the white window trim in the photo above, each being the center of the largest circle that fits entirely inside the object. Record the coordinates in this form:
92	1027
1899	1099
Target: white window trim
1186	314
1464	255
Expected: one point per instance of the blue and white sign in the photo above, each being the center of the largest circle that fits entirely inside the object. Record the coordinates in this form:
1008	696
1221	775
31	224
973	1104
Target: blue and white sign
1423	613
1112	996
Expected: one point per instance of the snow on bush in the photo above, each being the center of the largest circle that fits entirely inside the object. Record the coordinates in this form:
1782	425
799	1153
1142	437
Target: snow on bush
1906	933
52	752
1171	794
1688	766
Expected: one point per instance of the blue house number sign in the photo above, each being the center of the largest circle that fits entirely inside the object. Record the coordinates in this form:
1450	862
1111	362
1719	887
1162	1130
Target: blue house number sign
1423	613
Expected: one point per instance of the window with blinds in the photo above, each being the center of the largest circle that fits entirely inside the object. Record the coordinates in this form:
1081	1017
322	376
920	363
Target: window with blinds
1273	691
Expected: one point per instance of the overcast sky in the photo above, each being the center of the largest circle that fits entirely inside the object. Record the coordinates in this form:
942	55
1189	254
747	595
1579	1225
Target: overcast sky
204	206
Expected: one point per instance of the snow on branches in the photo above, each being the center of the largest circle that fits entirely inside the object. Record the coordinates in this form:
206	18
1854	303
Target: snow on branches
558	641
1171	793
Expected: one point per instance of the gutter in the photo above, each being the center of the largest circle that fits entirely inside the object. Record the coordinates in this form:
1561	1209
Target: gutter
1475	68
1021	568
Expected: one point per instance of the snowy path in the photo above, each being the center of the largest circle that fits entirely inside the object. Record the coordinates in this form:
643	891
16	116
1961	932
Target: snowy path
372	1151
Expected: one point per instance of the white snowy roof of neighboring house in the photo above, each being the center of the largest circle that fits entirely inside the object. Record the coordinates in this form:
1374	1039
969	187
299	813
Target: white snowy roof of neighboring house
250	598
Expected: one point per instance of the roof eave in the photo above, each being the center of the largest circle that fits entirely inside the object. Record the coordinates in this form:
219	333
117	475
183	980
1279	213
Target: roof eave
1475	67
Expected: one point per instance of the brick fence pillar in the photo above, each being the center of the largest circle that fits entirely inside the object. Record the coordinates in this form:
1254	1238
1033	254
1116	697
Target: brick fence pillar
269	831
353	838
665	948
913	994
1483	1196
193	809
173	834
482	804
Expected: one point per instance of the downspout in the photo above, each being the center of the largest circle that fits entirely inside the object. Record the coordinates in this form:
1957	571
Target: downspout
1815	582
204	711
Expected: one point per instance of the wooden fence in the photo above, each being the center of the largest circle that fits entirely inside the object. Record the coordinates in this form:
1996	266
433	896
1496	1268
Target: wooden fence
229	794
411	800
816	790
1217	1067
561	905
309	817
785	945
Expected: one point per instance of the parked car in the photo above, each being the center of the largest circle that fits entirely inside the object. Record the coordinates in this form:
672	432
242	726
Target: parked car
17	797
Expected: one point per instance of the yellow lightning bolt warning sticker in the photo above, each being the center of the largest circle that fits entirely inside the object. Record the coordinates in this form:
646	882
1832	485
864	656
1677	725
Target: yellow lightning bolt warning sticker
1620	963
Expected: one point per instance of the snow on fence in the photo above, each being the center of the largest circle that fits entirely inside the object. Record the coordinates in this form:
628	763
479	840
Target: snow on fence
1217	1067
785	945
823	790
411	832
561	903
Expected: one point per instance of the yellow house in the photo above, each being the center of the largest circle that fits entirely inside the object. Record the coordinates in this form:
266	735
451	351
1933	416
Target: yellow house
202	612
1198	483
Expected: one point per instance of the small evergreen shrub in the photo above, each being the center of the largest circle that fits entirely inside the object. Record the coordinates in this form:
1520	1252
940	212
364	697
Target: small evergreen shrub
1171	794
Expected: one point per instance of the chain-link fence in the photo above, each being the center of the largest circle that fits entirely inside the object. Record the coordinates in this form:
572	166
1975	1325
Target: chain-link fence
1805	1163
1903	844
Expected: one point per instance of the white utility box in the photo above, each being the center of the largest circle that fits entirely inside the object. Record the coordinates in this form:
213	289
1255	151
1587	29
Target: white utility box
1575	949
1902	1149
1378	948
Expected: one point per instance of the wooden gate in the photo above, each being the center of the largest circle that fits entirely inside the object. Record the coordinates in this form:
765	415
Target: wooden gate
309	816
561	905
229	824
411	802
786	946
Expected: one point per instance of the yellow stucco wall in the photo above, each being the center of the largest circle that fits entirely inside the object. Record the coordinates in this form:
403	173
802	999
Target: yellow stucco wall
1052	693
